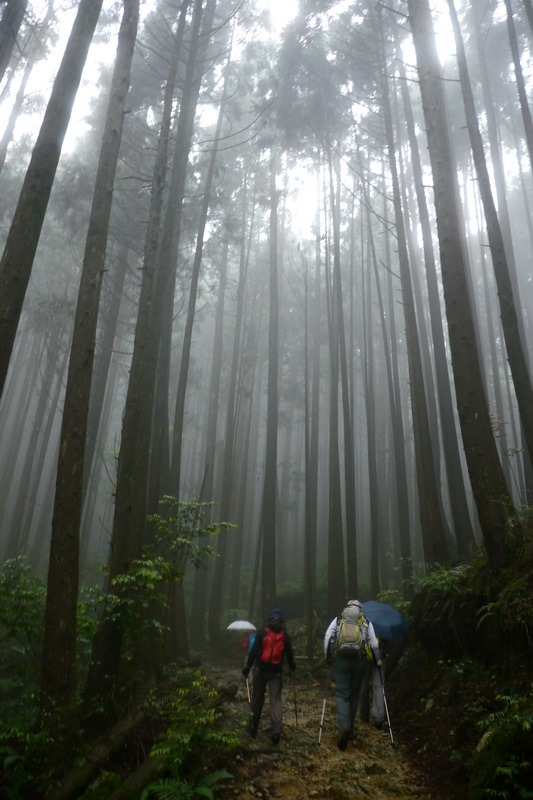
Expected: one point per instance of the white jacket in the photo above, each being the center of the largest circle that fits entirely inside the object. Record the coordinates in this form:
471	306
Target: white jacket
372	639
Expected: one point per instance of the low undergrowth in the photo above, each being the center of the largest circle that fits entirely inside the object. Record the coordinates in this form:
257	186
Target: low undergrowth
462	694
465	685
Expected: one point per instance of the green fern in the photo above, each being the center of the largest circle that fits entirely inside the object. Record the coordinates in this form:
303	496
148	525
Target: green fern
507	745
176	789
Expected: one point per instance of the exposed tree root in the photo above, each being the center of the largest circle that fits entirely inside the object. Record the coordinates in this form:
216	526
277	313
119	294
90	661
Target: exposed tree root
108	744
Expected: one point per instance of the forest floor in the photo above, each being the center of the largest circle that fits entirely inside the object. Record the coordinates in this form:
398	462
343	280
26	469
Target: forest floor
413	766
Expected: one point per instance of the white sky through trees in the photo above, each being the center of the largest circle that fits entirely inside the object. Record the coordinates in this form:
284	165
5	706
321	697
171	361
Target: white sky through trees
302	199
282	11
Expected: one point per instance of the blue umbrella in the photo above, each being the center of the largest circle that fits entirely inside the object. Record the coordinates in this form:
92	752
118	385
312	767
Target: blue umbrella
388	622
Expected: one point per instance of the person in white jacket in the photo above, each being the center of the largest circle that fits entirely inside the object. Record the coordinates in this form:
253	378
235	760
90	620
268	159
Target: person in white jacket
346	643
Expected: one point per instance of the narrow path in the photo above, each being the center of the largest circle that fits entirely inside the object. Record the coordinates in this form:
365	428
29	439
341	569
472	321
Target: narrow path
299	768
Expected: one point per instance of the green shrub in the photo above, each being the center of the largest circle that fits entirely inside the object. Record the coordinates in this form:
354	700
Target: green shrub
22	599
502	766
195	739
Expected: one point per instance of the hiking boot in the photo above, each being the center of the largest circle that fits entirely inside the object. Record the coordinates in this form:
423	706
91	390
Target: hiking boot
275	738
343	739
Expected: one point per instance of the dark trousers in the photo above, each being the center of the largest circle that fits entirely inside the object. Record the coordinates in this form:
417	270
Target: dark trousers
262	679
349	672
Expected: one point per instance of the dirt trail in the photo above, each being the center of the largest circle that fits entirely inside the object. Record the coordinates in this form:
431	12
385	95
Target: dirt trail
299	768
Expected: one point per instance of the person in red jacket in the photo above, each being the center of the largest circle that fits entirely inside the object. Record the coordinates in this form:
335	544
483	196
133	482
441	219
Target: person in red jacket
272	644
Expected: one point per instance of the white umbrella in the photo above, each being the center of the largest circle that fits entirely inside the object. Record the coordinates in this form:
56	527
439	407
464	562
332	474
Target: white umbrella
241	625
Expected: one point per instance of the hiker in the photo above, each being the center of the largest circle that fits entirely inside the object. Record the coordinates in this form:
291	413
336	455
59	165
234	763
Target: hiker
372	702
247	643
346	644
271	644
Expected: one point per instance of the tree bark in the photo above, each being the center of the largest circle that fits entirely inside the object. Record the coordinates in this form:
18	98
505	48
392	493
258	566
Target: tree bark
528	5
463	529
175	465
234	413
508	312
520	80
12	17
395	403
268	504
200	590
312	414
13	116
349	459
370	404
23	237
433	535
58	680
493	502
132	470
43	418
336	573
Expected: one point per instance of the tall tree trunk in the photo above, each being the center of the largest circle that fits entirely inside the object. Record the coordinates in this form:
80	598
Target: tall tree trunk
528	5
199	33
31	516
32	519
201	30
397	425
23	237
109	322
348	439
312	412
235	390
17	538
10	23
521	297
433	535
268	504
256	375
157	467
200	591
179	414
464	533
245	458
336	568
508	313
520	81
496	156
132	470
490	491
15	412
28	69
58	681
370	405
14	114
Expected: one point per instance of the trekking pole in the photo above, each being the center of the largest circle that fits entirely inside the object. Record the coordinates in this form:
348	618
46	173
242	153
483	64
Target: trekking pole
385	704
294	693
249	702
322	720
324	703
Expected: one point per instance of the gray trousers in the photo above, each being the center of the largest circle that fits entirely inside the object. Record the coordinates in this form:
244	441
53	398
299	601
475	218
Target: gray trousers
372	704
261	681
377	702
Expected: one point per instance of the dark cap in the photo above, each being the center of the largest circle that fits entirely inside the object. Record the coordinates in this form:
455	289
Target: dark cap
276	613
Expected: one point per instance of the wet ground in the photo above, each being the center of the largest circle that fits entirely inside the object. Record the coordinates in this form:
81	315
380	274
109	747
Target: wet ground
302	767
